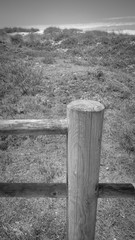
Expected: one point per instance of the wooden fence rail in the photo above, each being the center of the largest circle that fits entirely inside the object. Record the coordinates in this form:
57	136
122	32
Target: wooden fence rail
83	128
60	190
33	126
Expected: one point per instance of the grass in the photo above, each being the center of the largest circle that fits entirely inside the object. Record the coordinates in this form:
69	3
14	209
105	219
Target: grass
40	75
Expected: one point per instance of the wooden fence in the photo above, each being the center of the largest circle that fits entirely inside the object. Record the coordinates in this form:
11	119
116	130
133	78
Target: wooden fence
83	128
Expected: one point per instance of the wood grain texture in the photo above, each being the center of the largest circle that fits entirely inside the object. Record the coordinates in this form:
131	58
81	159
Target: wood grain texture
33	126
116	190
85	119
28	190
58	190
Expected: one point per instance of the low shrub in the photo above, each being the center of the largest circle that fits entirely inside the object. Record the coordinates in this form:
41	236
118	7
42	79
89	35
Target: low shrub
33	40
76	51
18	29
16	39
70	42
4	37
52	32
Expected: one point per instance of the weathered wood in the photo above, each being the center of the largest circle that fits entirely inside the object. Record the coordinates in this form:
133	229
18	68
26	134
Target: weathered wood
59	190
28	190
116	190
85	119
33	126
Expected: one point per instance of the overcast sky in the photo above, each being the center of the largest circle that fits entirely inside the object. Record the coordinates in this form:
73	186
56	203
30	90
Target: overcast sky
55	12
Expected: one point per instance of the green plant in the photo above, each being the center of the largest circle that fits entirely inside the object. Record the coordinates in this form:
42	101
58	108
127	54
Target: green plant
52	32
16	39
33	40
70	42
18	29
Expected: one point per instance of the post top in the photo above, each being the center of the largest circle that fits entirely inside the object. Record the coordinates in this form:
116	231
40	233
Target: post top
86	106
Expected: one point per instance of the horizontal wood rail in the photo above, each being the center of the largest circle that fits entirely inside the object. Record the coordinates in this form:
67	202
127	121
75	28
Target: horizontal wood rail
113	190
33	126
51	190
60	190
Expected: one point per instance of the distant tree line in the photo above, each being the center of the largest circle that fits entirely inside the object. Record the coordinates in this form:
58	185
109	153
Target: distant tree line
18	29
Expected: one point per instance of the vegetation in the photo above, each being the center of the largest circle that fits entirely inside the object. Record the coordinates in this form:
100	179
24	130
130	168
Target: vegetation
18	29
40	75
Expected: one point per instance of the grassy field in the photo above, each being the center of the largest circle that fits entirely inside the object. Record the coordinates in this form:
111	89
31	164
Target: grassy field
39	76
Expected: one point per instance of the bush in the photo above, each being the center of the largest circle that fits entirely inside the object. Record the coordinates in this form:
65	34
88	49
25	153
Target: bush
70	42
18	29
17	39
65	33
47	45
52	32
77	51
71	32
33	40
60	36
4	37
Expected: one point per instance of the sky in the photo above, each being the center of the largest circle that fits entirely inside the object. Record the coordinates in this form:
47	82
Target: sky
21	13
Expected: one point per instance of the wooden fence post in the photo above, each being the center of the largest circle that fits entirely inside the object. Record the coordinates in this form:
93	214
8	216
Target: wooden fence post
85	120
